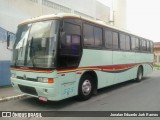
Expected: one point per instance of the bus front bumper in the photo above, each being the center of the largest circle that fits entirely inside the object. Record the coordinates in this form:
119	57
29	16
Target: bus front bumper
36	89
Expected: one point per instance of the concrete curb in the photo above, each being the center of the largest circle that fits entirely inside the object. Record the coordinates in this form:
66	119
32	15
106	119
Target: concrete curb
3	99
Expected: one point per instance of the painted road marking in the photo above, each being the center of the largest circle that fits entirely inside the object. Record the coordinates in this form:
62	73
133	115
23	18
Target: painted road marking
12	97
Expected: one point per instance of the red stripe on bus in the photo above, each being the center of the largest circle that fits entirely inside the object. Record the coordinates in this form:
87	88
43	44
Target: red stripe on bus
31	70
109	68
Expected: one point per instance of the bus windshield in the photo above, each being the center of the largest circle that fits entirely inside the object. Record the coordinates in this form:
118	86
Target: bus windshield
35	45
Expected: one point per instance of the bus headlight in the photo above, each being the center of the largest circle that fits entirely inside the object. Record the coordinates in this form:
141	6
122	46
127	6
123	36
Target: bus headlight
40	79
45	80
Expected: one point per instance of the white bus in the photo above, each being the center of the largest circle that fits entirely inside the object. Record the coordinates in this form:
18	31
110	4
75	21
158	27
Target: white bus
64	55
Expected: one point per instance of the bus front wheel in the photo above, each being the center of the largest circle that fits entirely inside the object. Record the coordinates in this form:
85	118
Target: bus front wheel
139	74
85	89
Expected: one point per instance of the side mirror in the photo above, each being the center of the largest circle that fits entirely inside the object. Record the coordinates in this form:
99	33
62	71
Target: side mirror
8	41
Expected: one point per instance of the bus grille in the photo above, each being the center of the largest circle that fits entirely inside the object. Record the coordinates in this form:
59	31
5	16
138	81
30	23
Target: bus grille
27	89
29	79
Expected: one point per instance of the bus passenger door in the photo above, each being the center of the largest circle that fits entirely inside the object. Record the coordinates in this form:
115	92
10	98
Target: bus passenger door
70	51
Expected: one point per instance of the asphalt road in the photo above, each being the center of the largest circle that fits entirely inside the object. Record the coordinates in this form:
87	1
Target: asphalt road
128	96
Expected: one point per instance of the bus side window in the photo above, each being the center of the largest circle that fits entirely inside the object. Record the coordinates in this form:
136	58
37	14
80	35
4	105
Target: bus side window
70	46
148	47
88	35
98	36
137	44
115	41
75	46
122	42
151	47
128	45
144	47
108	39
133	45
67	42
72	28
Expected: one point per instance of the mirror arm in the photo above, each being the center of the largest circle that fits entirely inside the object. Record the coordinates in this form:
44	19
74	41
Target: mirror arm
8	40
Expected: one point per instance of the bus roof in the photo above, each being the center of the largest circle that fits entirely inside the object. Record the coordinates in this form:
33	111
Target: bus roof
71	15
49	17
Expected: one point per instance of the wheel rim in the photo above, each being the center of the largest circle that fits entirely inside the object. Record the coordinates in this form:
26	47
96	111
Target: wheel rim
86	87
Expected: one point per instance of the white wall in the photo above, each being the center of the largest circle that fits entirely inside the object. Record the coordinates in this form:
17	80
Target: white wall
85	6
102	12
119	8
19	10
12	12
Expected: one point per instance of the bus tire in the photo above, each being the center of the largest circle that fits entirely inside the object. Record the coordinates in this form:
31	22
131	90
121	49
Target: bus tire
139	74
85	88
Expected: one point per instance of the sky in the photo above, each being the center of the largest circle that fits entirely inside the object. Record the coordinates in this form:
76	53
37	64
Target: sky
143	17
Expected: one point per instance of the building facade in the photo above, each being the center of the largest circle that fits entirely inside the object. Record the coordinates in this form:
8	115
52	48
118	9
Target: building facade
12	12
19	10
119	13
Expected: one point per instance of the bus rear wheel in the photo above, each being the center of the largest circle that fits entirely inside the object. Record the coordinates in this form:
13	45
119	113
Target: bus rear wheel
85	89
139	74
